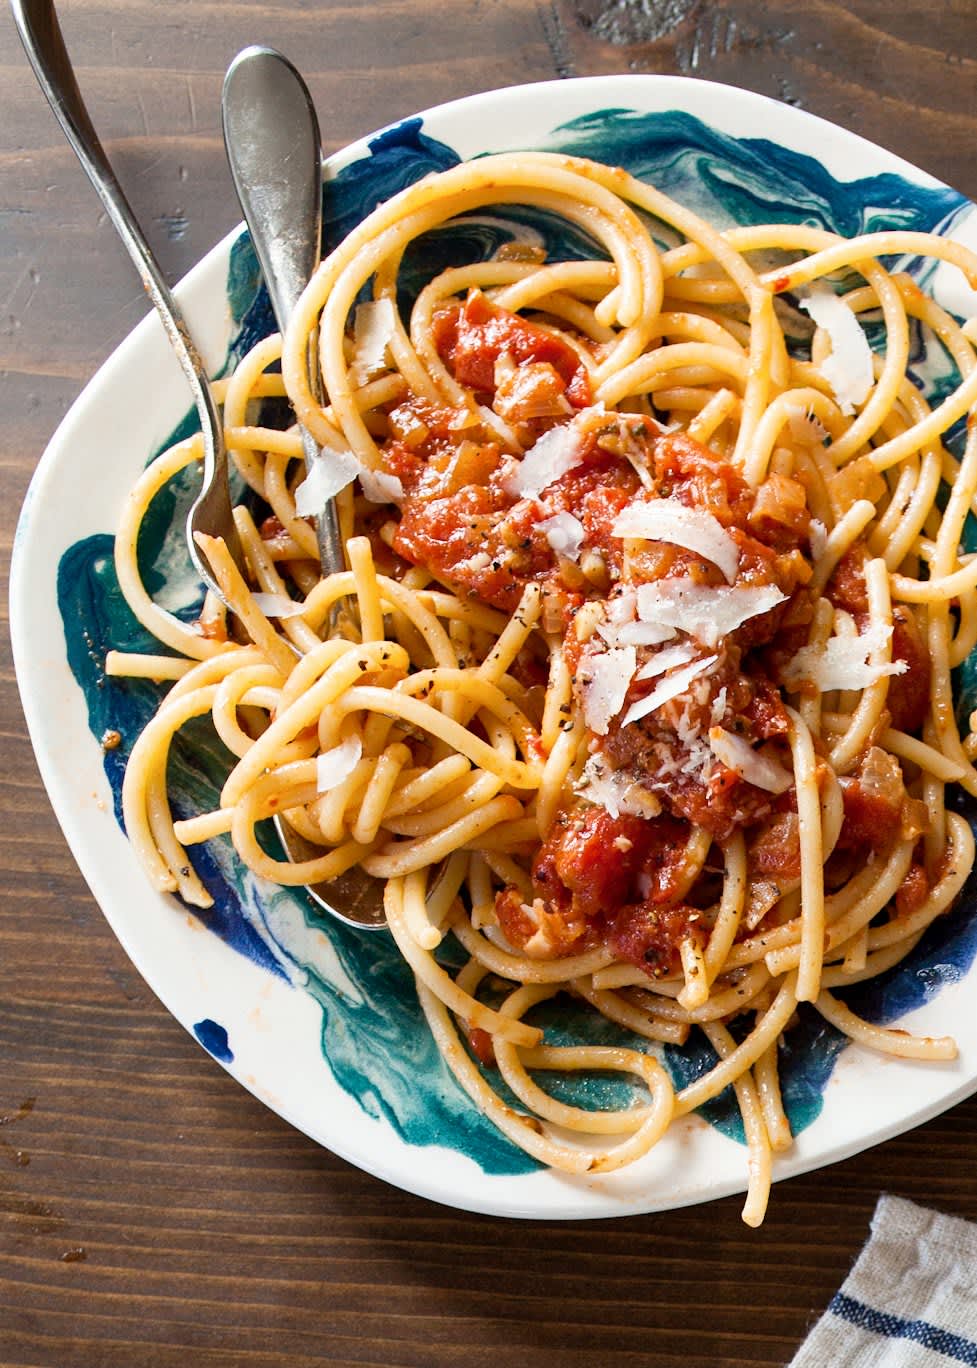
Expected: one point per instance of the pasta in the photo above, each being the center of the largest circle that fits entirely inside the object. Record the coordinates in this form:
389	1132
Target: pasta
637	685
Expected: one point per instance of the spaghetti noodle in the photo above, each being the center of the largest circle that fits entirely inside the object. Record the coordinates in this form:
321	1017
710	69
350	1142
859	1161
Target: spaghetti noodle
644	647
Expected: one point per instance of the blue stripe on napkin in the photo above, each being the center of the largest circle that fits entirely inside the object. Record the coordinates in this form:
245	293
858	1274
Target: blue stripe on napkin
895	1327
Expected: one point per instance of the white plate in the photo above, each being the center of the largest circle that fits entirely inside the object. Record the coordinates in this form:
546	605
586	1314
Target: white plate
331	1039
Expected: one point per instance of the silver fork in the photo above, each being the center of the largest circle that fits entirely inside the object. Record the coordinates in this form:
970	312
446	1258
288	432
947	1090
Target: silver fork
40	32
354	898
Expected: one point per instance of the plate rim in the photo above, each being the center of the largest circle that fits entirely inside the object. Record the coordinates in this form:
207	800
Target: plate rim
196	281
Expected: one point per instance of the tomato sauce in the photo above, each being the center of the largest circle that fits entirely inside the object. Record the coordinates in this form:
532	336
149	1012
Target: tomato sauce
471	337
775	852
913	892
649	936
735	695
601	879
597	879
489	542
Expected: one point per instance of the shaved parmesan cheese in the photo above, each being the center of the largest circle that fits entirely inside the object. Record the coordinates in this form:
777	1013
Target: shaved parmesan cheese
373	330
668	688
739	756
565	534
605	679
621	608
379	487
615	791
668	520
804	427
277	605
331	472
705	613
333	766
553	456
843	662
620	628
848	370
617	612
666	660
639	634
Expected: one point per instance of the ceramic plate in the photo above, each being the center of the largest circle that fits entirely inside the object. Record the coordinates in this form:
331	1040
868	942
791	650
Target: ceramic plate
321	1022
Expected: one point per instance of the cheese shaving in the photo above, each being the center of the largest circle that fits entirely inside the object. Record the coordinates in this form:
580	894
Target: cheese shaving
622	607
667	689
373	330
705	613
663	661
668	520
380	488
844	662
621	629
618	611
804	427
332	767
719	705
331	472
556	453
615	791
848	370
739	756
565	534
606	679
638	634
277	605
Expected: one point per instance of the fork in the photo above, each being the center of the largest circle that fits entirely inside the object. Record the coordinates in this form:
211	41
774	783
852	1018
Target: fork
40	33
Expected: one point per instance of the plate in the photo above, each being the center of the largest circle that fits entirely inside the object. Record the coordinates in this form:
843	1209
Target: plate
320	1022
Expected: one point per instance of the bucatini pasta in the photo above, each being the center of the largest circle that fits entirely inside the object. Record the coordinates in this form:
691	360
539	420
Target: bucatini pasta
643	647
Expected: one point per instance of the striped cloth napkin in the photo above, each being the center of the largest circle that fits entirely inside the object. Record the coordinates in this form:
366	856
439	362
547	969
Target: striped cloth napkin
909	1302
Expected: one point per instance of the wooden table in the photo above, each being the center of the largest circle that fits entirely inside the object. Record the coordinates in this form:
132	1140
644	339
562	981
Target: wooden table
152	1213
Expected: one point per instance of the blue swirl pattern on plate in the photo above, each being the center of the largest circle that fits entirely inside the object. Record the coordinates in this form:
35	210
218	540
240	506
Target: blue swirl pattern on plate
374	1037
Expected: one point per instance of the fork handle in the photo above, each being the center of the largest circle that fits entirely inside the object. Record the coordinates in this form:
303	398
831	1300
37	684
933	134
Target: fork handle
40	33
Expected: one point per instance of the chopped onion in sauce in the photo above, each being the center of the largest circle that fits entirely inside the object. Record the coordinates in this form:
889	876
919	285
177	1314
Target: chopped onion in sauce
739	756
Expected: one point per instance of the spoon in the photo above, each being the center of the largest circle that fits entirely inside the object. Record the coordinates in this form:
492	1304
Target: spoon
40	33
272	139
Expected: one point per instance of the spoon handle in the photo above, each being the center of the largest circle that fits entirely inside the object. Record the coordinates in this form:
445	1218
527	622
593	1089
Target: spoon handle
272	139
40	33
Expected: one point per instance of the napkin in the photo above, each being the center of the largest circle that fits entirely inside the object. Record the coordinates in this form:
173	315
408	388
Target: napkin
909	1302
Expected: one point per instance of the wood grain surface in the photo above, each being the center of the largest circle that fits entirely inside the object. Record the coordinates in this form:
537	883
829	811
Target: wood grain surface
153	1214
